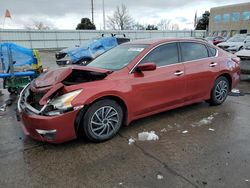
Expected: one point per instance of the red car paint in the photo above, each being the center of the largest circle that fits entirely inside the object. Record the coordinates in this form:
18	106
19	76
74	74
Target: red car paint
218	40
143	94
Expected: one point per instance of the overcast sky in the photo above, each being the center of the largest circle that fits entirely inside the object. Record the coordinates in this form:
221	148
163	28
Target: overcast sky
66	14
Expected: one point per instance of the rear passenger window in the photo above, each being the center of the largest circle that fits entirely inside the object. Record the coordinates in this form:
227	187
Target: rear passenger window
165	54
212	51
192	51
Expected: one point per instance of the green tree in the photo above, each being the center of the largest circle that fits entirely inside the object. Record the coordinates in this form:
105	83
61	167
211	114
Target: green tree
85	24
151	27
203	22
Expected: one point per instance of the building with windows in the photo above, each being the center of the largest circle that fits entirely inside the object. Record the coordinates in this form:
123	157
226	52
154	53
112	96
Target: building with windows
229	20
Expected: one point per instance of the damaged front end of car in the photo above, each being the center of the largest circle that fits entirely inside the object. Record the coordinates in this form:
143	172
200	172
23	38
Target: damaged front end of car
45	105
48	95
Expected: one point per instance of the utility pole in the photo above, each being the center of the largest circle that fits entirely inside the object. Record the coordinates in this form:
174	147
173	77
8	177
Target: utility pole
92	11
104	19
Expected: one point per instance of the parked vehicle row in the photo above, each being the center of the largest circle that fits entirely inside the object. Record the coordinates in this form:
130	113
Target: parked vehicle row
215	40
234	44
244	55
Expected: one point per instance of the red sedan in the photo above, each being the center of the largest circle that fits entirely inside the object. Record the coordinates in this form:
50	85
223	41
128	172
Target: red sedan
216	40
129	82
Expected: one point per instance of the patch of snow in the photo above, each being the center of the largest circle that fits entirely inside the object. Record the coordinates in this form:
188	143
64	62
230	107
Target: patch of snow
204	121
169	126
164	130
210	118
131	141
247	180
177	125
184	132
143	136
159	176
210	129
236	91
120	183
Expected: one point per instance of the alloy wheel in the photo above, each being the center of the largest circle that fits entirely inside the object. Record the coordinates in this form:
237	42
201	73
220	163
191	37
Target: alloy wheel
221	90
104	121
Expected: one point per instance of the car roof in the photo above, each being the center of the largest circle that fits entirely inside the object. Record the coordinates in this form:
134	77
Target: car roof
163	40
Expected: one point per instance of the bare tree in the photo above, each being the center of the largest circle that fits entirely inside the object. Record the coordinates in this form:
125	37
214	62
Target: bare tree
120	19
137	26
164	24
41	26
38	26
175	26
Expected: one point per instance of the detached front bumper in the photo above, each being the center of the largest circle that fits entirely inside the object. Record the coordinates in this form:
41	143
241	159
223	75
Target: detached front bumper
52	129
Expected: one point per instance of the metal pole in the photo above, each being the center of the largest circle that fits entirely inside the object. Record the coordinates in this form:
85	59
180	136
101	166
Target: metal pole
11	66
104	20
92	10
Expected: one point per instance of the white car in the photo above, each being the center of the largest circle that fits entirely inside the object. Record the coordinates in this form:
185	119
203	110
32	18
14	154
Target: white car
244	56
247	42
234	44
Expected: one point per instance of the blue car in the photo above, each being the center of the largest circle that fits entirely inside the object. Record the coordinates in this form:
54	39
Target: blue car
87	51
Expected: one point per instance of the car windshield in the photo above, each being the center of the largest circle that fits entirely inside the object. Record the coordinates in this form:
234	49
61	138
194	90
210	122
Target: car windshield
236	39
118	57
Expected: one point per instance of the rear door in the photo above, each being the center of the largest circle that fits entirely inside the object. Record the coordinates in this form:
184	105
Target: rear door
163	87
201	68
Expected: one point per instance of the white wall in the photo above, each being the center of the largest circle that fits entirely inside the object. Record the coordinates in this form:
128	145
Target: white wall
67	38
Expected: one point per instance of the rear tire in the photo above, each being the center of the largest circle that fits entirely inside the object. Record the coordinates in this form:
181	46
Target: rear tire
219	91
102	120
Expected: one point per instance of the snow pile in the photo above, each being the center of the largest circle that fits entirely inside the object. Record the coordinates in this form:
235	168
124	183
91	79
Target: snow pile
164	130
143	136
210	129
204	121
131	141
159	176
237	91
185	131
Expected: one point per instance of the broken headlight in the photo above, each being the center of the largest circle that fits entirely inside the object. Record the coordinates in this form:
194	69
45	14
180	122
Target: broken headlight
63	102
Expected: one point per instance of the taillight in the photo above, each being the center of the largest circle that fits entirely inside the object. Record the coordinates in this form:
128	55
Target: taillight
236	60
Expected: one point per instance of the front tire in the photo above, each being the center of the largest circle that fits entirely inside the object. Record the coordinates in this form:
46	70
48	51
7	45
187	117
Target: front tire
219	91
102	120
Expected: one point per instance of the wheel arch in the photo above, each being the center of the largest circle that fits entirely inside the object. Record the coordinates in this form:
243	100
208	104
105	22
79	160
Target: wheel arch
228	77
81	113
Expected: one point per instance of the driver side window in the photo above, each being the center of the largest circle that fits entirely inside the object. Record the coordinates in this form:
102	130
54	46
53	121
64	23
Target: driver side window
165	54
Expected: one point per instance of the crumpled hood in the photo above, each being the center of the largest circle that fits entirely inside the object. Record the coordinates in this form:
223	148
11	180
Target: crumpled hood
56	76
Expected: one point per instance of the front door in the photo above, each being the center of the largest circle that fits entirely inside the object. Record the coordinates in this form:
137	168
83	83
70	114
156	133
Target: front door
162	88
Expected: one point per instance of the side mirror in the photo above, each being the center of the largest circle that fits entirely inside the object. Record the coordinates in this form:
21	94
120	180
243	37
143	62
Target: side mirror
146	67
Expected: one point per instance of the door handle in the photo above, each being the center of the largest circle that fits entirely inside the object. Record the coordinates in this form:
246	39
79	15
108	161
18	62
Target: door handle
213	64
178	73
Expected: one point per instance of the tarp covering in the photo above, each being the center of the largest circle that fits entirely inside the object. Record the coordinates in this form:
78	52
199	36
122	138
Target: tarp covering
21	56
91	49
